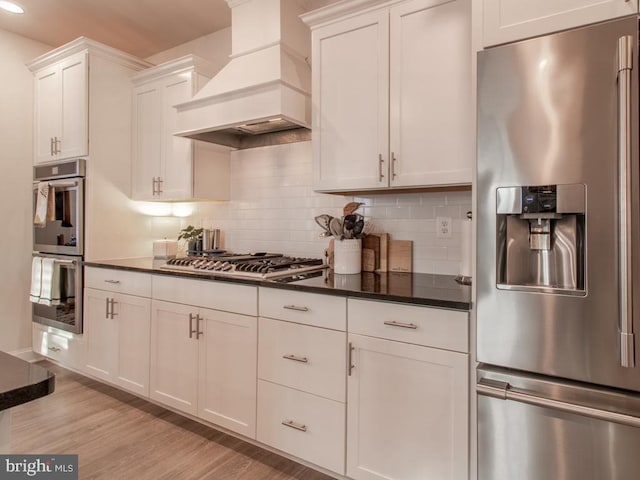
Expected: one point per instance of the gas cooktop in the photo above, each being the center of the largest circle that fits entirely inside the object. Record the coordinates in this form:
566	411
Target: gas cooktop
260	265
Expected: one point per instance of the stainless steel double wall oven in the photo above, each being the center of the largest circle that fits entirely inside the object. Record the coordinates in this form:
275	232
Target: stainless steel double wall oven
62	238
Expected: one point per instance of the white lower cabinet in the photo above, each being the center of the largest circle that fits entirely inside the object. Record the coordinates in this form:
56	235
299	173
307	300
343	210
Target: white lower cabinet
305	425
407	414
227	370
58	345
117	314
116	333
203	361
302	362
174	356
368	389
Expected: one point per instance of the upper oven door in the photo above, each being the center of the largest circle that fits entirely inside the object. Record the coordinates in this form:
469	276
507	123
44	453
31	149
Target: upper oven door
64	234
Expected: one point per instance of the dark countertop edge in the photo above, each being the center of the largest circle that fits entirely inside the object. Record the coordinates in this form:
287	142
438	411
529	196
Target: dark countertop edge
429	302
383	297
22	381
27	393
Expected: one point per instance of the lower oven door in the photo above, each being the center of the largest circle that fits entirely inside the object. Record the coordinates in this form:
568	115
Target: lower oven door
63	309
533	427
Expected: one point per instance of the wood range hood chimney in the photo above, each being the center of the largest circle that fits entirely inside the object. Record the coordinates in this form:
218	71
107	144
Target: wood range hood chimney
263	95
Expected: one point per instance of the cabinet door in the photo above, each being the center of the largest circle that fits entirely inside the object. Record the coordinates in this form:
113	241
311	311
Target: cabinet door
174	356
131	352
228	350
47	113
146	140
351	103
100	334
417	396
74	107
431	113
177	156
61	127
509	20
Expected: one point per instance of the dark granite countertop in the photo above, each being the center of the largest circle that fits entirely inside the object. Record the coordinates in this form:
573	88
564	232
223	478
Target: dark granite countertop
21	382
418	288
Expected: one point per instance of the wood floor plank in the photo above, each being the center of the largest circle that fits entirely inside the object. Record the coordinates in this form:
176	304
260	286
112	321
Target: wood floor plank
120	436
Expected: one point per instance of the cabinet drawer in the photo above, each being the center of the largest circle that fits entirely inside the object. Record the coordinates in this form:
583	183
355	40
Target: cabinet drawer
301	307
309	427
432	327
227	297
119	281
57	345
306	358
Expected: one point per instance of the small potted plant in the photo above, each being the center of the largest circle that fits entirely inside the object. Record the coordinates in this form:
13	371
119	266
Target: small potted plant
190	234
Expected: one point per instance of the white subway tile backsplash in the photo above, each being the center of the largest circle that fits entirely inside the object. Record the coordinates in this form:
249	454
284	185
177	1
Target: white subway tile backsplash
273	205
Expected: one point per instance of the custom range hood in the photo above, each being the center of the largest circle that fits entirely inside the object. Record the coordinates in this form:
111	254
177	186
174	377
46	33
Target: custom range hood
263	95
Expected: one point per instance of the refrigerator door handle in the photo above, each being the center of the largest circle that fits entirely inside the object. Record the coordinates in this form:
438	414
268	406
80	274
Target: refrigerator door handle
625	65
505	391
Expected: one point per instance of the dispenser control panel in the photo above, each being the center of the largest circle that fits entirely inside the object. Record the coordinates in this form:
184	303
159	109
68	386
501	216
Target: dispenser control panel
539	199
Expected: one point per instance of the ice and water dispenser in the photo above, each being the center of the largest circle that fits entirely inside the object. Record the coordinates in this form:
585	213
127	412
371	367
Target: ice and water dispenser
541	238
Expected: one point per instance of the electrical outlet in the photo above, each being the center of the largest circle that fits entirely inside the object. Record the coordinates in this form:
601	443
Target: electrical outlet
443	227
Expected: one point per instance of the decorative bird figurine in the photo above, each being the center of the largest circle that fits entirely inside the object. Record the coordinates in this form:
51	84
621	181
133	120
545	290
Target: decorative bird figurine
351	207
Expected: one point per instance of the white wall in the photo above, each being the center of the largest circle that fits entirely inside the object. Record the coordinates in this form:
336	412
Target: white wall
215	47
16	120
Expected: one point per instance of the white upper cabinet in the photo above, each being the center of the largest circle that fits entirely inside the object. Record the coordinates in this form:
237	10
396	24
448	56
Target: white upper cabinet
350	103
62	109
391	95
75	85
509	20
167	167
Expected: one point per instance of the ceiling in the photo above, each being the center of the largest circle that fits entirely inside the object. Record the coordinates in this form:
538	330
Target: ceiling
139	27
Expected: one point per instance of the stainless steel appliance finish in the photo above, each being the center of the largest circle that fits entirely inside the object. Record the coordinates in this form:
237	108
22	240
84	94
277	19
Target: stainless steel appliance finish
556	315
64	235
63	240
535	427
548	114
67	315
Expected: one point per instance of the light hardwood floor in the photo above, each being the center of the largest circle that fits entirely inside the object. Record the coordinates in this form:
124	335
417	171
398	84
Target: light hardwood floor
119	437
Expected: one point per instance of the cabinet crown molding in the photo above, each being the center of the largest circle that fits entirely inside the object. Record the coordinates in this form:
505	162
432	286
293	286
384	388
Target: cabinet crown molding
93	48
172	67
340	10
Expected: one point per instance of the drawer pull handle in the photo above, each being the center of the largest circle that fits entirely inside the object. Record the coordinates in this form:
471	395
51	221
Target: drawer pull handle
54	349
295	358
295	307
113	281
393	323
292	424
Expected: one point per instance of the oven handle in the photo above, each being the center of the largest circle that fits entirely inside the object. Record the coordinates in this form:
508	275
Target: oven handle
60	184
505	391
60	260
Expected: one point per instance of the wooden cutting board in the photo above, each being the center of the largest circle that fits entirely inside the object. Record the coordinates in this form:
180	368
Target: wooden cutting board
384	252
400	255
371	242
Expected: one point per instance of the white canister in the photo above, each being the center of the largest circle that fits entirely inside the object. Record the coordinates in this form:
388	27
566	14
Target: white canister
347	256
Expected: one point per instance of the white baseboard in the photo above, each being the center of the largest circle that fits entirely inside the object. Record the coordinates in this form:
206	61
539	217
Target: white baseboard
26	354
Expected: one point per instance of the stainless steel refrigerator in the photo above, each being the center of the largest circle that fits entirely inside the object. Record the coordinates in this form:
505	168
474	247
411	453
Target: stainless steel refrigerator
558	273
